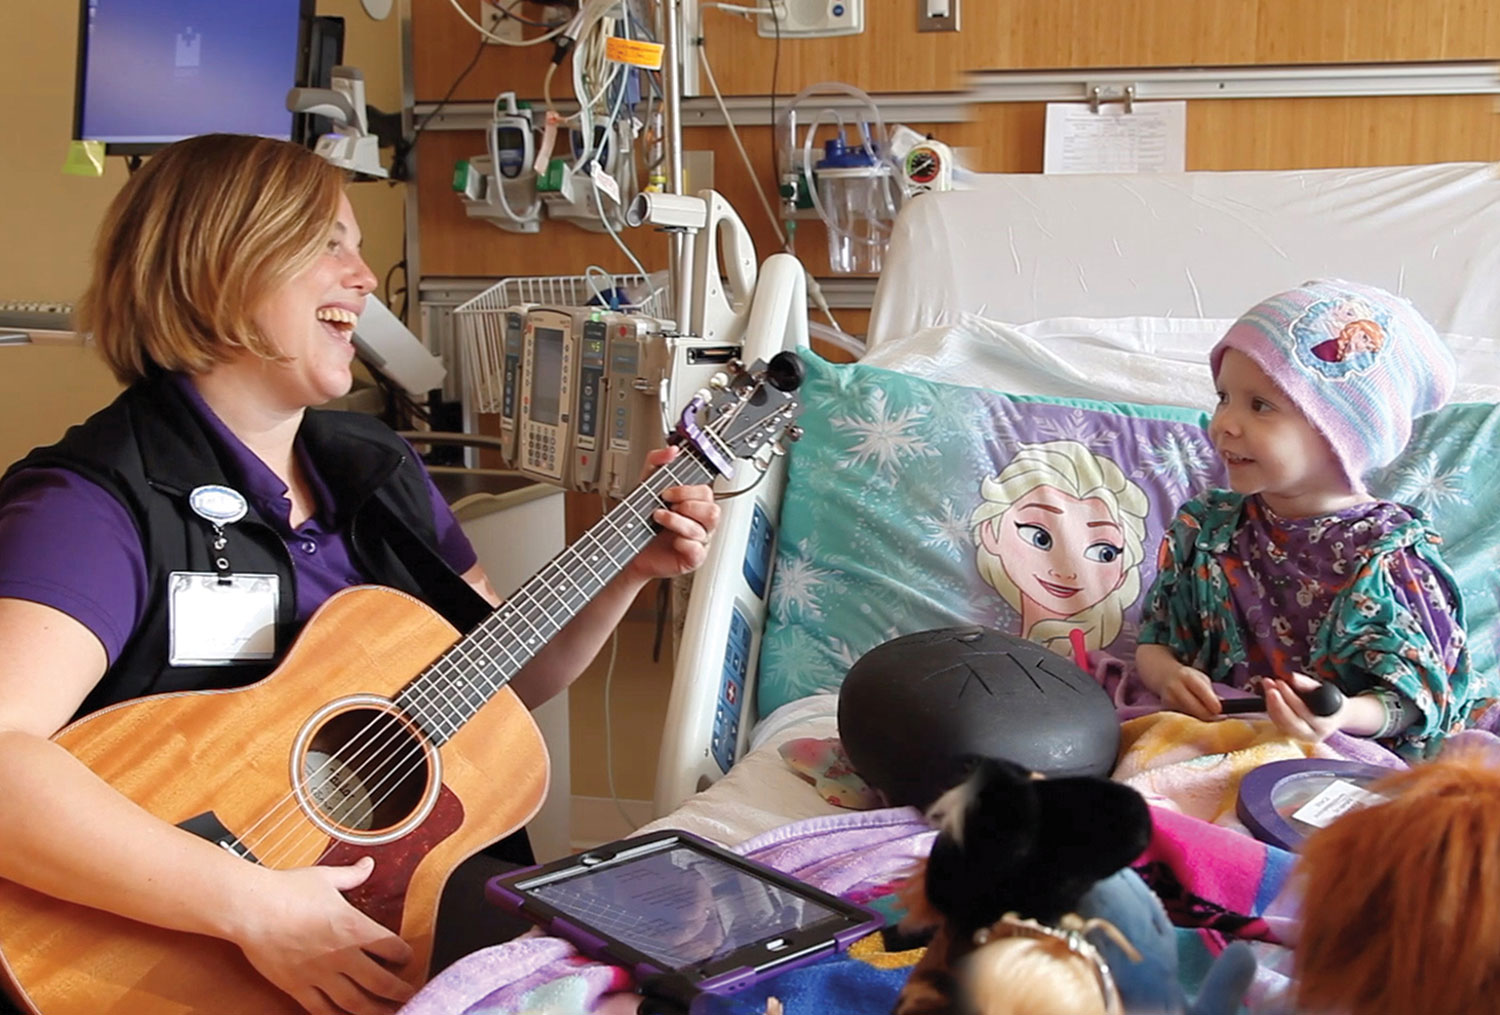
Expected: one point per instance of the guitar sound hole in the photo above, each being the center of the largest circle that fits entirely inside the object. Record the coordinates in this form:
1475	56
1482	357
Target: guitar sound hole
365	771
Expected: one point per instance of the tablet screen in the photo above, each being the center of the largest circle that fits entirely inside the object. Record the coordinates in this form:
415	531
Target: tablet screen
679	906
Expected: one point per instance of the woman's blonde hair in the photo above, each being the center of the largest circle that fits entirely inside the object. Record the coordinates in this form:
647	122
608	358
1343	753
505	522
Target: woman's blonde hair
1399	910
194	241
1075	470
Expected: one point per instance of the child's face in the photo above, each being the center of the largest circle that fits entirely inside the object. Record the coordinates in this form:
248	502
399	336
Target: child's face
1270	447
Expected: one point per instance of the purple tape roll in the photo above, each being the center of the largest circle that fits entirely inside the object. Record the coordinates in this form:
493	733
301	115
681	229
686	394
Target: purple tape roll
1278	783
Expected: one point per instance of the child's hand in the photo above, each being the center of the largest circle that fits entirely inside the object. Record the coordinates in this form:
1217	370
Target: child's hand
1290	713
1179	686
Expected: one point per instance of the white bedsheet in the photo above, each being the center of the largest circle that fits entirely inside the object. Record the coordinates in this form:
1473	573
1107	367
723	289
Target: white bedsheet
1154	361
760	792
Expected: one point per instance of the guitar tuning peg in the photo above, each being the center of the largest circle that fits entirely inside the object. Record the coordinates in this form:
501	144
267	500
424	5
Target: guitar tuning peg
794	433
719	381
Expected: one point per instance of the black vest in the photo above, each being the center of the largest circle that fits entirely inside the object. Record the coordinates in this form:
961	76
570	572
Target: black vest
149	449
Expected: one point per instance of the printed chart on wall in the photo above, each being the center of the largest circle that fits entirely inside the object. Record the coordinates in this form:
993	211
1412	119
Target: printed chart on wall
1146	137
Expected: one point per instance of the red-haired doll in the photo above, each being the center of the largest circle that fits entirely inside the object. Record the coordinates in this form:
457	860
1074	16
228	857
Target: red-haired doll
1399	898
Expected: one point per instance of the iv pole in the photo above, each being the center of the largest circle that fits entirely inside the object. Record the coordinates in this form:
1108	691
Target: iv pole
679	265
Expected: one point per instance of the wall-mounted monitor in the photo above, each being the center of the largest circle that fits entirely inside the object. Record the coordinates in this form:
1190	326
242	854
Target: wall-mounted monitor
151	72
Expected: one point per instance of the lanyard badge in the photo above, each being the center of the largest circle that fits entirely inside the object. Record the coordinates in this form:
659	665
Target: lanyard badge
221	618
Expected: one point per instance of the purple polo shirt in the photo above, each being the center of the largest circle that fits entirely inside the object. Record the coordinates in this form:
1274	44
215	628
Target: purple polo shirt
67	544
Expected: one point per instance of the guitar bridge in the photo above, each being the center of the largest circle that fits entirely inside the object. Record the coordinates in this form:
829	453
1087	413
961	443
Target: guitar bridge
208	826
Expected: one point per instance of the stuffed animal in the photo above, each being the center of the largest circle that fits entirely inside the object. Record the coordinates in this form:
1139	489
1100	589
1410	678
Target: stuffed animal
1033	908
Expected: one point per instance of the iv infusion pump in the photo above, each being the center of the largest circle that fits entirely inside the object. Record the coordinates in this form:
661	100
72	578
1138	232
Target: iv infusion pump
580	402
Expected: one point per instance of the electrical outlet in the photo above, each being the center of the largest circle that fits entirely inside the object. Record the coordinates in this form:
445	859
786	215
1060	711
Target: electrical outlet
492	17
937	15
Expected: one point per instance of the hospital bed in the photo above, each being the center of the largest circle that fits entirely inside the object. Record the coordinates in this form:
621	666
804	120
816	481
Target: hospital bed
1028	309
1109	288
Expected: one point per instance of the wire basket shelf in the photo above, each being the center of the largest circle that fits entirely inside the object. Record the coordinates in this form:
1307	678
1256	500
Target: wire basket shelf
479	323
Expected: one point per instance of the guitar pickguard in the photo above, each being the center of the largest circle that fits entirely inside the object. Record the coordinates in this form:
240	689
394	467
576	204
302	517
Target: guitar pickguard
383	896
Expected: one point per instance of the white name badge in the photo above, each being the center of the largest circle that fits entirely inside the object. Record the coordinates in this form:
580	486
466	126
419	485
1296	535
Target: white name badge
216	622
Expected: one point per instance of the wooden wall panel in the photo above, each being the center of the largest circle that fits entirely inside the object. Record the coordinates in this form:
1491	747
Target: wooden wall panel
891	55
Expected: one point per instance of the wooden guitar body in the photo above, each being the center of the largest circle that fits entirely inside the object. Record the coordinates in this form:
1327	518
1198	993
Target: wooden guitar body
313	764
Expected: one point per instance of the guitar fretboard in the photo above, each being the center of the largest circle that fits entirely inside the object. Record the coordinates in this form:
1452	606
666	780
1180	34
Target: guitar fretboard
448	693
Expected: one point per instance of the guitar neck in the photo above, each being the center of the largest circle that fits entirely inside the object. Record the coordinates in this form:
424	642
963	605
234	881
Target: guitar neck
445	695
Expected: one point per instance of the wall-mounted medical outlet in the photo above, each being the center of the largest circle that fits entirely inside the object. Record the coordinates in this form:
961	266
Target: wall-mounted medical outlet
806	19
492	16
937	15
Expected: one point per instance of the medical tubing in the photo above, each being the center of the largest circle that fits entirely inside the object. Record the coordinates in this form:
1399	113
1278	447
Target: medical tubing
876	146
837	337
760	191
594	46
877	229
815	293
604	217
836	88
503	41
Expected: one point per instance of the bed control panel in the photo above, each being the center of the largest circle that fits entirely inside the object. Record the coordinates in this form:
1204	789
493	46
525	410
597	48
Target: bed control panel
731	699
758	548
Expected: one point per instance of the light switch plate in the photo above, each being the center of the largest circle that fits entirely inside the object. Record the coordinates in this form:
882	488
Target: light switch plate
927	22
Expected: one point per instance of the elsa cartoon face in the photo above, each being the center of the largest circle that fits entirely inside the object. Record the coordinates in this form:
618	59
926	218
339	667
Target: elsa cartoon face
1058	535
1063	554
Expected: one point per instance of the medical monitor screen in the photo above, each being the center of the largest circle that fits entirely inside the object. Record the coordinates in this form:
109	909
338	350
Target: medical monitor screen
151	72
546	375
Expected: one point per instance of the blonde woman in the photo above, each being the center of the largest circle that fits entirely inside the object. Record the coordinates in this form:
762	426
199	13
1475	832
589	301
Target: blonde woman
1059	535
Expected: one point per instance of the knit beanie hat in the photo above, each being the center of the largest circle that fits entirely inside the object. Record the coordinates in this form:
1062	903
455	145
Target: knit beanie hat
1359	362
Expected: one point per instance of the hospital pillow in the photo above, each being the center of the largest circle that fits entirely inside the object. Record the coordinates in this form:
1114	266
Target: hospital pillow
904	494
1451	472
902	490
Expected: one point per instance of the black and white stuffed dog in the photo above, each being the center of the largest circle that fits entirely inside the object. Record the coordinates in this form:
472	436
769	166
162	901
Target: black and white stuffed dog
1046	860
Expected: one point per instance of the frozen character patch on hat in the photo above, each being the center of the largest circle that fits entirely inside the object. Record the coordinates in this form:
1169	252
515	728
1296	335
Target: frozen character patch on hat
1337	337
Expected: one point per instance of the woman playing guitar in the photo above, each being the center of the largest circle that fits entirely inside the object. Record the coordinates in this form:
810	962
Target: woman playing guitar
181	538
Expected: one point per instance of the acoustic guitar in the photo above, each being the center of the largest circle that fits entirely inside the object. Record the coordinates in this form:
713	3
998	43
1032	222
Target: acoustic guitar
382	733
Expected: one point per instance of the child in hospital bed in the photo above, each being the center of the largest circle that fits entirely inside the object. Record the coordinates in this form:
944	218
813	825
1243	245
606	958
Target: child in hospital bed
1296	574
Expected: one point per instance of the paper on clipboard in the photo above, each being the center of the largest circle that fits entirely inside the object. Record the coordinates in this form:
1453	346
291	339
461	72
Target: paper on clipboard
1150	138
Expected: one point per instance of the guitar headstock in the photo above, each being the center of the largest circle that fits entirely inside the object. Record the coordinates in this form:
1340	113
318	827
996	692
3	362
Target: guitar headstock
745	410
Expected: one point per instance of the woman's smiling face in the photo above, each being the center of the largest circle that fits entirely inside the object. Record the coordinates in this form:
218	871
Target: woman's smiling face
311	316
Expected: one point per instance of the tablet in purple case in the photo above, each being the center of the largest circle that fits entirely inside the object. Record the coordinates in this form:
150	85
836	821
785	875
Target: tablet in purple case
682	913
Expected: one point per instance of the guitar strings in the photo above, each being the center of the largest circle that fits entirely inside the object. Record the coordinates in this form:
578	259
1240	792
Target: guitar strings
424	692
427	681
406	756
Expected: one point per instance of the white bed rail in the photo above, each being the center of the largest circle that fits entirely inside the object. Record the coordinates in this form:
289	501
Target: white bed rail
710	710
